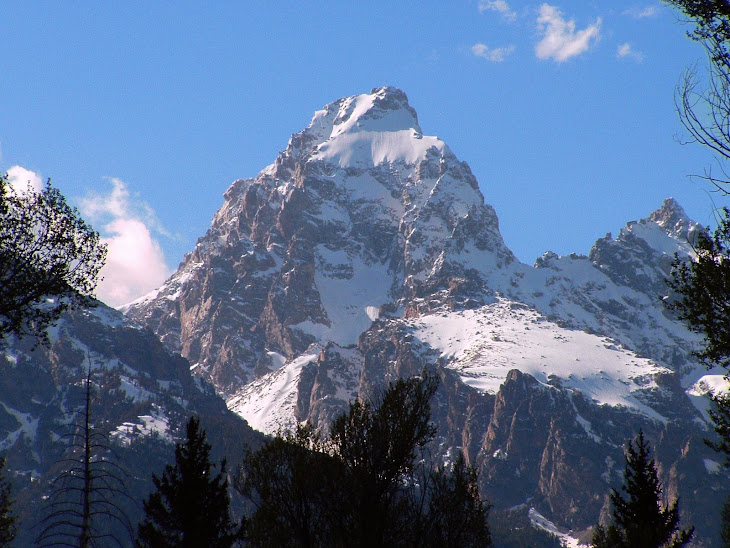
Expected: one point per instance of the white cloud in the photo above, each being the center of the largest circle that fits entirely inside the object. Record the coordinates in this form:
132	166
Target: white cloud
625	50
642	13
20	178
560	40
495	55
500	6
116	203
135	261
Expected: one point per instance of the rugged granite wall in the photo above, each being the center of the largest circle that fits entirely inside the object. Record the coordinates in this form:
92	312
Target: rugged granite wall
328	221
366	252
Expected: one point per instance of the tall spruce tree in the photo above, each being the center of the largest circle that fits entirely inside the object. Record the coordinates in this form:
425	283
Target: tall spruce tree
639	519
190	507
704	285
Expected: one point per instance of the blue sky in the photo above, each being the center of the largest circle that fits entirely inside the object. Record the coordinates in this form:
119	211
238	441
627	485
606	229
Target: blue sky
142	113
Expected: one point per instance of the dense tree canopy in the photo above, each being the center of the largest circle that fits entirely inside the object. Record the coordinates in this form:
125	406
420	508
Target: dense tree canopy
50	259
367	484
378	445
456	514
702	289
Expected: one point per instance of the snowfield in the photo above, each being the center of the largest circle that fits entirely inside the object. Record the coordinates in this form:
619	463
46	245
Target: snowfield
484	345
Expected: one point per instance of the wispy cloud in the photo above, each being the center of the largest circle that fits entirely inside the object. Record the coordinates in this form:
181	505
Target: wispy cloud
626	50
21	179
500	6
495	55
560	41
642	13
135	261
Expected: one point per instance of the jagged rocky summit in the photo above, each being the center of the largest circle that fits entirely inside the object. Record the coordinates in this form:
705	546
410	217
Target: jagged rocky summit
361	216
366	252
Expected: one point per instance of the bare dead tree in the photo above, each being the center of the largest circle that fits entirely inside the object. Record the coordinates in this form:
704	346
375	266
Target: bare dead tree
702	98
704	111
88	490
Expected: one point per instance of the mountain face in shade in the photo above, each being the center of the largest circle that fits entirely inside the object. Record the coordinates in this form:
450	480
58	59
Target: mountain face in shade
142	397
366	252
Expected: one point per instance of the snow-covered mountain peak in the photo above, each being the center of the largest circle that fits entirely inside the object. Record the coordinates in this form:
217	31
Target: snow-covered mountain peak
383	109
361	211
672	218
364	131
655	240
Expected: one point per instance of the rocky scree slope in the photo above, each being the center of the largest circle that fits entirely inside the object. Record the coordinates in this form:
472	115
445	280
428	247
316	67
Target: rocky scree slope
366	252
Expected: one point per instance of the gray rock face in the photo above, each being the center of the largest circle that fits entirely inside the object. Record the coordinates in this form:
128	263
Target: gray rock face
366	252
360	207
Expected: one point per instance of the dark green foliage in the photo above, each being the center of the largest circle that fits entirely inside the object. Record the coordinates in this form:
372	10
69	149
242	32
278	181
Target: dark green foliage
295	486
703	288
366	485
8	525
456	514
378	445
704	111
725	525
190	507
639	519
712	20
49	259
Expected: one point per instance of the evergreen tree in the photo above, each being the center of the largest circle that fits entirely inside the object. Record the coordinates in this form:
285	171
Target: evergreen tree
190	507
725	531
702	291
7	518
704	285
456	514
639	519
703	300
